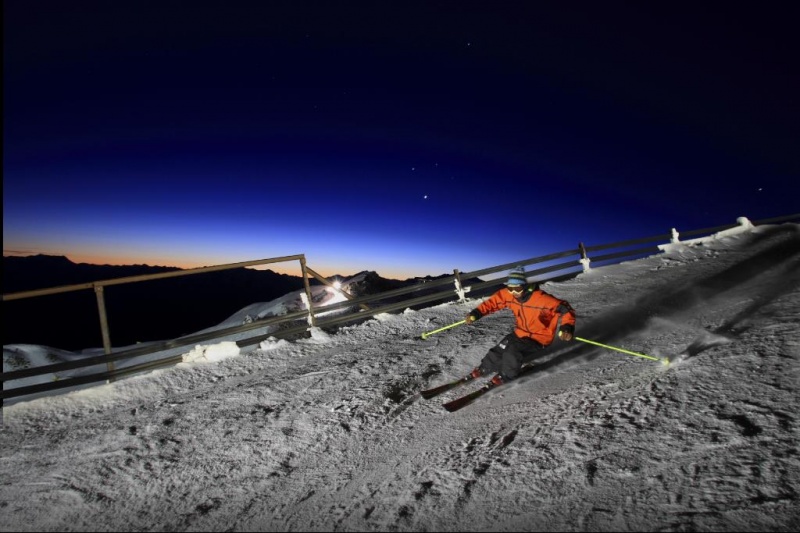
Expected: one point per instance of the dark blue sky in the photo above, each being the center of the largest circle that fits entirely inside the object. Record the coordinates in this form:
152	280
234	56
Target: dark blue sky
409	138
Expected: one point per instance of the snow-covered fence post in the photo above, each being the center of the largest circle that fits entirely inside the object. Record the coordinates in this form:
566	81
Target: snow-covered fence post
459	288
584	260
307	303
674	239
307	296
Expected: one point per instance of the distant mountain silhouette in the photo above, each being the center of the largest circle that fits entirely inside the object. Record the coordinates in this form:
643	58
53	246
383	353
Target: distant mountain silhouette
142	311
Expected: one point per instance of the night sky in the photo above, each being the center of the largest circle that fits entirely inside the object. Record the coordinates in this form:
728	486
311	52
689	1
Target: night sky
409	138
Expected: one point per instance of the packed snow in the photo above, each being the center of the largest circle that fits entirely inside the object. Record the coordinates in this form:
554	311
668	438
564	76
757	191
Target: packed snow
329	433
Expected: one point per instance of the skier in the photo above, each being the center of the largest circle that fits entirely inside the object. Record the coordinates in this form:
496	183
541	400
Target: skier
539	318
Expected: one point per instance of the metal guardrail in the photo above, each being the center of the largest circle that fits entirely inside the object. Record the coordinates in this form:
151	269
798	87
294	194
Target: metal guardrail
99	286
308	317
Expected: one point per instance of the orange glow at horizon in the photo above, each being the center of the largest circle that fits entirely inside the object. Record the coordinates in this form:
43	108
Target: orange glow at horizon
291	268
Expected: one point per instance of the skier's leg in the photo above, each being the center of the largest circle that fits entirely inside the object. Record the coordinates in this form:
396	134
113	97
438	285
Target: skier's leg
531	350
517	352
511	363
493	360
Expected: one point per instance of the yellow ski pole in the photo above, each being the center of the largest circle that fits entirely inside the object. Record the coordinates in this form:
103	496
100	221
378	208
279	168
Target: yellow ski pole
663	361
454	324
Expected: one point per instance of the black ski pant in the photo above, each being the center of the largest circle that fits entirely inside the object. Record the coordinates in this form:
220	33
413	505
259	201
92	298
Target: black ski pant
509	355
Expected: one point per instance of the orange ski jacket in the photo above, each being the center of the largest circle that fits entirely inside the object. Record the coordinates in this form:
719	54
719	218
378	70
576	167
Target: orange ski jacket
538	314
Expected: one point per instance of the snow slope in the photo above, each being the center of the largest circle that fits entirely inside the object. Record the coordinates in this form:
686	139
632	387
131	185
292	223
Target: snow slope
329	433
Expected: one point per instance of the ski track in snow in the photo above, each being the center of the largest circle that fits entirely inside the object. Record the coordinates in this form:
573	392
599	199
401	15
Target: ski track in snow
331	434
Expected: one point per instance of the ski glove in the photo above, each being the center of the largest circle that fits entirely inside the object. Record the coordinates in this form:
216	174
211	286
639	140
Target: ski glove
566	333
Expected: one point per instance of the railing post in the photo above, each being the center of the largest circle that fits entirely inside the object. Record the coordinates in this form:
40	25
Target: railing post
311	320
101	309
459	288
584	258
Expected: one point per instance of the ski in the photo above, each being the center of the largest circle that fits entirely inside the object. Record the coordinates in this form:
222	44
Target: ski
463	401
436	391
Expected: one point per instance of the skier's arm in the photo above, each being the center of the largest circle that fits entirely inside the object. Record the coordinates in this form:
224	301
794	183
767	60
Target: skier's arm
566	330
494	303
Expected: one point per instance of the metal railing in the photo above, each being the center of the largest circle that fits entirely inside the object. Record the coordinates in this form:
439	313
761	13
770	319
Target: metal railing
370	305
